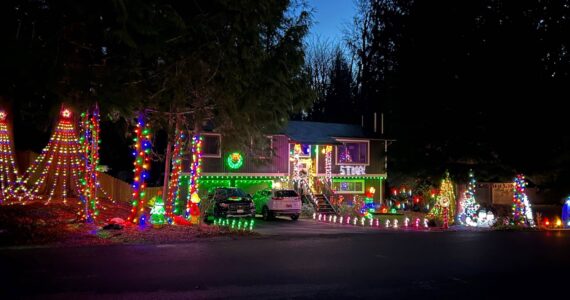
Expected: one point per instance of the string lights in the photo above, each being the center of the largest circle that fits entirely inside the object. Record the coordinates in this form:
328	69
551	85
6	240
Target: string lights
141	170
9	178
192	208
522	212
469	207
172	203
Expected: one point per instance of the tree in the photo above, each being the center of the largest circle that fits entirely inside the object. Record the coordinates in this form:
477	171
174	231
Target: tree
444	208
522	212
468	207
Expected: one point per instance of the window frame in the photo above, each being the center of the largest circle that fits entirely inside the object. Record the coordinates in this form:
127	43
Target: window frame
219	154
349	141
263	156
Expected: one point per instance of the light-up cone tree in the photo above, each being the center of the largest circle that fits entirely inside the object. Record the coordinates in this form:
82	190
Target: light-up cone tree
141	169
522	212
444	208
9	177
468	207
56	171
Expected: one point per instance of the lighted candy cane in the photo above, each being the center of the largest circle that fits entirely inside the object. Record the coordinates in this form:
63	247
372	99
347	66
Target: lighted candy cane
377	222
354	220
425	223
348	220
314	216
387	223
396	224
334	219
370	222
417	223
406	222
340	220
362	221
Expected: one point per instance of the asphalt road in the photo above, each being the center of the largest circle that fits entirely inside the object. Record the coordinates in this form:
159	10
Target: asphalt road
286	264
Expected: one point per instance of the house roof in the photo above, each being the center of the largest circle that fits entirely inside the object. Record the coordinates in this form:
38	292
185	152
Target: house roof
322	133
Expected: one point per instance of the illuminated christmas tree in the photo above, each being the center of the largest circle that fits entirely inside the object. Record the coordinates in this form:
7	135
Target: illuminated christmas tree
468	207
522	212
56	172
368	206
9	178
141	171
444	208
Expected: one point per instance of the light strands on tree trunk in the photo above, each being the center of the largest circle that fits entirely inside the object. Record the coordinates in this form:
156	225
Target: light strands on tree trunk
141	170
192	208
174	183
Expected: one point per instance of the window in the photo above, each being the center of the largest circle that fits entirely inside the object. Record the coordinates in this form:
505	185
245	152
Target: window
263	150
211	145
303	150
352	153
348	186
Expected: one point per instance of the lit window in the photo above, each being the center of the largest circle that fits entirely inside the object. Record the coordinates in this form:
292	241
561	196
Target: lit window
352	153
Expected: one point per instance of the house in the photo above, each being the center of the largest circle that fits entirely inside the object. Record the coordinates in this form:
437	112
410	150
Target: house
312	157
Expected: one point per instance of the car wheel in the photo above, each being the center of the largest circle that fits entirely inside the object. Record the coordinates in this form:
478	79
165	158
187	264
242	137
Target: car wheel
294	217
266	214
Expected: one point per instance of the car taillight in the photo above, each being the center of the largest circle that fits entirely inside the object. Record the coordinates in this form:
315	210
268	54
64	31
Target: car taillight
224	205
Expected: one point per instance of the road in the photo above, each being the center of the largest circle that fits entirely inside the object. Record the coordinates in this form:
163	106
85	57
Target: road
286	264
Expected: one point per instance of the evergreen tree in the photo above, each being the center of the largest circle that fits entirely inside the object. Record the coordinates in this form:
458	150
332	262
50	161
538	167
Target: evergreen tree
522	212
468	206
444	208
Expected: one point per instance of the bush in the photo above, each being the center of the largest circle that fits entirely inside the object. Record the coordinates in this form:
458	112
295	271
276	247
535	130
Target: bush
307	210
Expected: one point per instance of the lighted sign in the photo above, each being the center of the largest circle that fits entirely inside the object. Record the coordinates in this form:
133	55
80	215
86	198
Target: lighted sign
353	170
234	160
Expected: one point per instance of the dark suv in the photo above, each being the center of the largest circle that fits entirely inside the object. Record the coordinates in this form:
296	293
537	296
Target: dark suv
228	203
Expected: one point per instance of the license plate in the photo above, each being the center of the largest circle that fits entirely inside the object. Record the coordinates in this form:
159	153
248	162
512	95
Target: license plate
240	211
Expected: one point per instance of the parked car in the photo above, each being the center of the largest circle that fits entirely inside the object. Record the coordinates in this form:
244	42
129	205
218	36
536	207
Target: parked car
229	203
270	203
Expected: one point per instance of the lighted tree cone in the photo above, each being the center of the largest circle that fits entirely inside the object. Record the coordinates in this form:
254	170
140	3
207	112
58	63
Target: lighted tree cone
446	198
141	169
157	212
522	211
57	171
9	177
468	207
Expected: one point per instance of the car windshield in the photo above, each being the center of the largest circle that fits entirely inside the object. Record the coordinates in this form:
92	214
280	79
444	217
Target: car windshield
285	193
235	193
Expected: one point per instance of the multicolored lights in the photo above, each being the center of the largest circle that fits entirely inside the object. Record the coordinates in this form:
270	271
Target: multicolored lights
57	172
192	208
172	203
9	178
141	170
468	207
522	212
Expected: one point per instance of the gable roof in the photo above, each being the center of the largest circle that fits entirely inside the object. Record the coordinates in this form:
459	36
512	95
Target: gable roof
321	133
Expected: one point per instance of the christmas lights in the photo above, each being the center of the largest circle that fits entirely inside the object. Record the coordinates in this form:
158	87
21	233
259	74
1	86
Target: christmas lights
234	160
141	170
58	171
9	177
444	208
522	212
240	225
172	202
566	213
328	164
192	208
468	207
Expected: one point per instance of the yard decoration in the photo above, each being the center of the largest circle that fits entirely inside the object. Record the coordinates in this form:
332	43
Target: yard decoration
368	206
9	177
566	212
444	208
141	164
522	211
157	212
234	160
194	208
468	206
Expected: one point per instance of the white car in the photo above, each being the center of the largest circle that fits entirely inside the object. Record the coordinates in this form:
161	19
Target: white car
271	203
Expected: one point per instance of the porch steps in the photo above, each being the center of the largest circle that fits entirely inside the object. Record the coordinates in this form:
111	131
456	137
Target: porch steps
323	205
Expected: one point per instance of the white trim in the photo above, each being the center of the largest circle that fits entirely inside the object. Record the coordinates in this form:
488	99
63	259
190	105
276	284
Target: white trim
367	163
337	175
219	155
